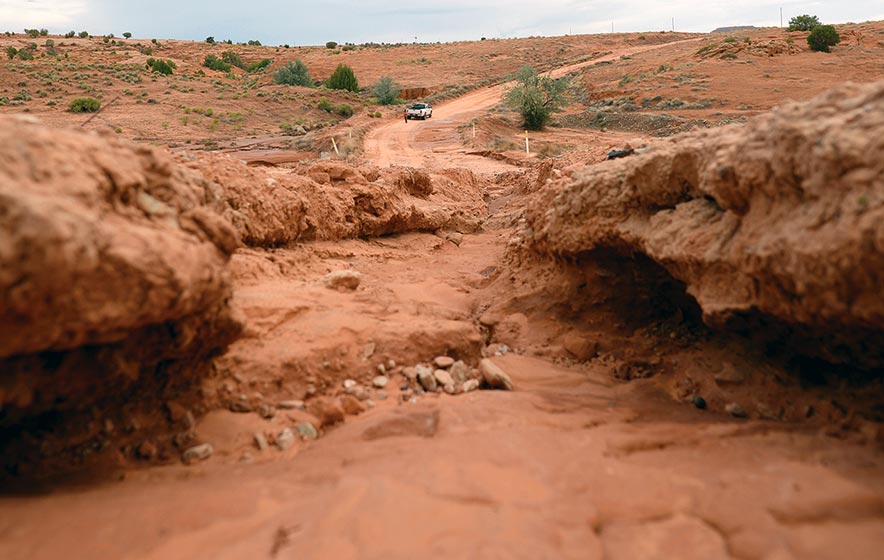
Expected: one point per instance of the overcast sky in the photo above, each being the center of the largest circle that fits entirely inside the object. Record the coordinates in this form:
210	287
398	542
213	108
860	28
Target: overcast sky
299	22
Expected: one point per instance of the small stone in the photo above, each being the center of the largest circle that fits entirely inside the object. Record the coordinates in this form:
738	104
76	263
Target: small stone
382	369
380	395
579	346
380	381
245	458
367	352
449	388
342	280
240	406
310	390
443	377
460	372
410	373
736	410
306	430
426	378
730	376
699	402
176	411
361	393
454	237
197	453
351	405
350	384
147	450
443	362
470	385
391	364
328	411
261	442
285	439
188	420
370	403
292	405
495	377
266	411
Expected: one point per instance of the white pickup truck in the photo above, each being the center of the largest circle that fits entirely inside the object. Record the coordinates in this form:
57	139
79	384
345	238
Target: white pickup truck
419	111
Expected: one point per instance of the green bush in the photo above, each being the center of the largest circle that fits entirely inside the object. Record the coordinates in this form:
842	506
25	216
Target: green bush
214	63
325	105
70	34
11	52
822	37
32	32
343	78
210	40
331	45
260	65
344	110
84	34
84	105
25	54
44	32
803	23
233	59
254	43
127	35
293	74
164	67
536	97
386	90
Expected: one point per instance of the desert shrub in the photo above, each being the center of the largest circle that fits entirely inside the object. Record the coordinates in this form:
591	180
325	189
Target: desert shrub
803	23
536	97
11	52
348	48
49	43
822	37
84	34
106	39
154	41
254	43
127	35
44	32
164	67
25	54
259	65
293	74
386	90
84	105
730	40
331	45
325	105
233	59
343	78
210	40
70	34
32	32
344	110
728	56
214	63
377	114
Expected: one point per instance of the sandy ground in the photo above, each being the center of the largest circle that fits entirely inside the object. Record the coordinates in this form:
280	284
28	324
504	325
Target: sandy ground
569	465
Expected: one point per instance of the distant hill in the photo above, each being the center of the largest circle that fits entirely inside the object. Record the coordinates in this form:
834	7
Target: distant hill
734	28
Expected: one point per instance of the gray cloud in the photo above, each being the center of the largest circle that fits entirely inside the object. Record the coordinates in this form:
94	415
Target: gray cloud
301	22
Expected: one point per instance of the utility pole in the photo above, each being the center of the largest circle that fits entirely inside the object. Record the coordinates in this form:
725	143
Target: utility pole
781	17
612	27
673	23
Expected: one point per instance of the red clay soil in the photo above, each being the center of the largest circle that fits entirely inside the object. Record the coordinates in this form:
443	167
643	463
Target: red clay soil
372	302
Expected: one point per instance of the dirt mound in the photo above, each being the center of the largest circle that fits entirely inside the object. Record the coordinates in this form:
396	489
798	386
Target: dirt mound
334	200
772	227
112	276
733	47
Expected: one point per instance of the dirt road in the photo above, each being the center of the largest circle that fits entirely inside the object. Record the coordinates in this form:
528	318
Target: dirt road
437	142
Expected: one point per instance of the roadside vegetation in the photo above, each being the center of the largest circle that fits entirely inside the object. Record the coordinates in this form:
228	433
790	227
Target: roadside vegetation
537	97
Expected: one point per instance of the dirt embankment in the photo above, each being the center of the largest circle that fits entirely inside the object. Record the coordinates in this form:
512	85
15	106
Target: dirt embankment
116	292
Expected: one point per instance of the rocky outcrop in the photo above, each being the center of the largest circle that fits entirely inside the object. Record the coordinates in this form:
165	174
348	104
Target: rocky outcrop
778	224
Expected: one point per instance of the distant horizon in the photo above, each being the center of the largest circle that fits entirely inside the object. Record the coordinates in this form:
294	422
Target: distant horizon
397	22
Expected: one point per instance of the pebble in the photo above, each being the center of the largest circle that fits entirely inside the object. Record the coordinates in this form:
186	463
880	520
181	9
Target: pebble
470	385
495	377
391	364
285	439
351	405
266	411
426	378
443	362
342	280
699	402
449	388
410	373
460	372
736	410
147	450
380	395
382	369
350	384
292	405
380	381
197	453
306	430
443	377
240	406
328	411
261	442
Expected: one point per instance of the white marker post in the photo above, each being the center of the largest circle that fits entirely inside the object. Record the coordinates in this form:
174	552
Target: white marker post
474	130
527	148
335	145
